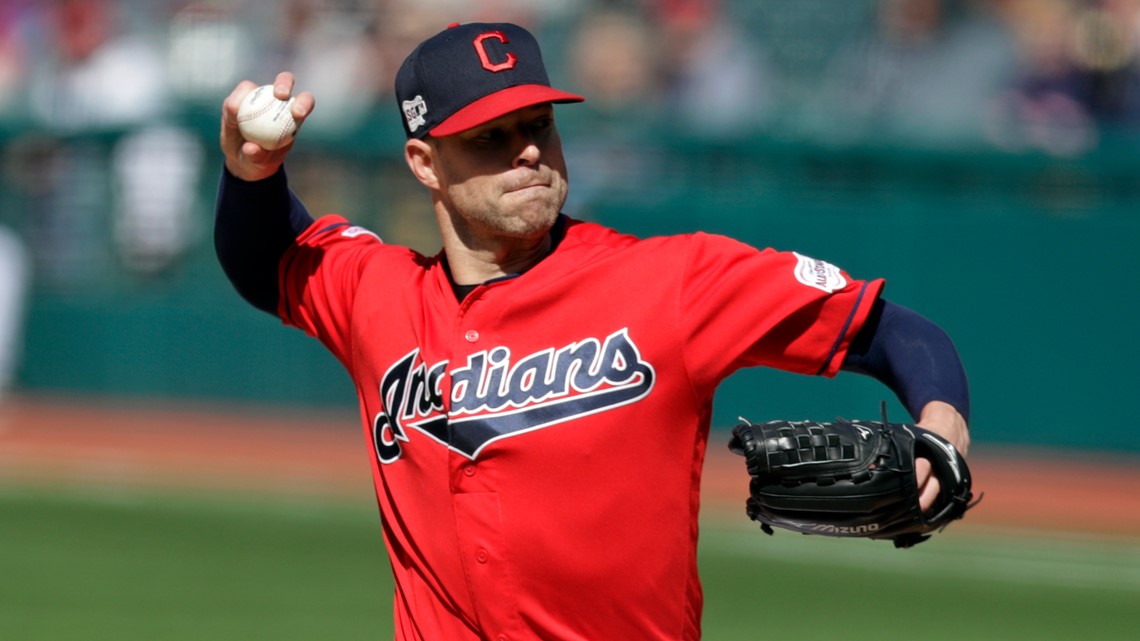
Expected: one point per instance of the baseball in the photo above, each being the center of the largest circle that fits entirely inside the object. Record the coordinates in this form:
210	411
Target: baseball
265	120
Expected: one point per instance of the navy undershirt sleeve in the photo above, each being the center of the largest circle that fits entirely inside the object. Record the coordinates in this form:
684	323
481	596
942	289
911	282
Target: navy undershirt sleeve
912	356
255	222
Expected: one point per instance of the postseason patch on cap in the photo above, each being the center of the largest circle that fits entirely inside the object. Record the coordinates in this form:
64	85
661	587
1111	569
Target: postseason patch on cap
414	112
819	274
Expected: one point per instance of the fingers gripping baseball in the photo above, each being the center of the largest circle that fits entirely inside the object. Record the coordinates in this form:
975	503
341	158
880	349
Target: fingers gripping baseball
246	159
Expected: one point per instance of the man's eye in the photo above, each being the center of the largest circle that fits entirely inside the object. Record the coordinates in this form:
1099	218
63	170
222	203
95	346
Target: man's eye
494	135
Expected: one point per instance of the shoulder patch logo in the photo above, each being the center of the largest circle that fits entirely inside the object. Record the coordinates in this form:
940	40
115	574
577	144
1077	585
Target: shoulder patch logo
355	230
819	274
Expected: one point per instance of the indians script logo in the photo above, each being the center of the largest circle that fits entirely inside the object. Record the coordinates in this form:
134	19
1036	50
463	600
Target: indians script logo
497	395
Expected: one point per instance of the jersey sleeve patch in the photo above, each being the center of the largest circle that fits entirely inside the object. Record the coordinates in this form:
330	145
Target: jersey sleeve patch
355	230
819	274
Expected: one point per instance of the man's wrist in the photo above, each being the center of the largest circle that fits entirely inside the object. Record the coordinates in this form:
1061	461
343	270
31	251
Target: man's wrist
943	419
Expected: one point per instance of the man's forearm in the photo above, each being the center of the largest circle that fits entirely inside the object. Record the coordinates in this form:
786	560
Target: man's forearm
255	223
912	356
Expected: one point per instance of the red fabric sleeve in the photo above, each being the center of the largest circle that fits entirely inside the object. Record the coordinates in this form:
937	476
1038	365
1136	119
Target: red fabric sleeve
746	307
319	276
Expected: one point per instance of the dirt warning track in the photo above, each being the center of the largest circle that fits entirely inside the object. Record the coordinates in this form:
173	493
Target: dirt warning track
55	442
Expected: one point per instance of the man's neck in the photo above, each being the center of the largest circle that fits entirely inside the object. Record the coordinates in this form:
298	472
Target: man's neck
474	263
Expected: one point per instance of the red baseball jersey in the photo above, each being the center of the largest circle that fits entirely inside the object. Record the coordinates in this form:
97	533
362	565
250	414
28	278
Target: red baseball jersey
537	448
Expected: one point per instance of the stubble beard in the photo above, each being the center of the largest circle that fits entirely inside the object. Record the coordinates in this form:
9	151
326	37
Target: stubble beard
523	215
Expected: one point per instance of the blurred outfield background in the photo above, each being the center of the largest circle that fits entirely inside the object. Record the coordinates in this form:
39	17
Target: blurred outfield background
981	155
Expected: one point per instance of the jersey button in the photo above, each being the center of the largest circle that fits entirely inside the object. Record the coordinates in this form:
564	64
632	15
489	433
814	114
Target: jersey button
481	556
502	637
471	336
469	470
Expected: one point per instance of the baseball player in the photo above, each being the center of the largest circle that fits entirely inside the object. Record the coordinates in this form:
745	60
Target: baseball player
536	397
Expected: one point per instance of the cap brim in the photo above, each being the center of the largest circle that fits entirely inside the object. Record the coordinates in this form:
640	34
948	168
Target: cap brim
498	104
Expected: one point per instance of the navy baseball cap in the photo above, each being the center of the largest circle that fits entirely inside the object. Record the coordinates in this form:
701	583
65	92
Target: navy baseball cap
470	74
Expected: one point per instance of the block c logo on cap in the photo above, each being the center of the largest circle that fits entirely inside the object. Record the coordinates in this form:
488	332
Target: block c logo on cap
509	63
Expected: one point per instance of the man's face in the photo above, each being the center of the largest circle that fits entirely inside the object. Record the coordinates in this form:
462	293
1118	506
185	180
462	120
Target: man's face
506	177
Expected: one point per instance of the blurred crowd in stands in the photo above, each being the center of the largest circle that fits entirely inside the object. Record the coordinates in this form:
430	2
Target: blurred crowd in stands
1045	76
1015	73
1052	76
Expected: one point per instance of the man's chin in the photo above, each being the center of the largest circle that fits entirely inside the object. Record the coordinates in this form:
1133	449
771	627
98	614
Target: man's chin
534	225
538	210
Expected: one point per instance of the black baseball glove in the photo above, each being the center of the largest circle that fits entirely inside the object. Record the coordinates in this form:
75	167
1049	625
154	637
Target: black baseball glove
849	478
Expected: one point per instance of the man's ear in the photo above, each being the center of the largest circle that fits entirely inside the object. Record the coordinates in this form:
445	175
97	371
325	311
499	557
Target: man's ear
420	156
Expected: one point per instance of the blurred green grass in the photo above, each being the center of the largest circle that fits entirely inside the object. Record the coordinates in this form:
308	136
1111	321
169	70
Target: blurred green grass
138	565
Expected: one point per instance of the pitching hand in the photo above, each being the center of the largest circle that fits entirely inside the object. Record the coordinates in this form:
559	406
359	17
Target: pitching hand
246	159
